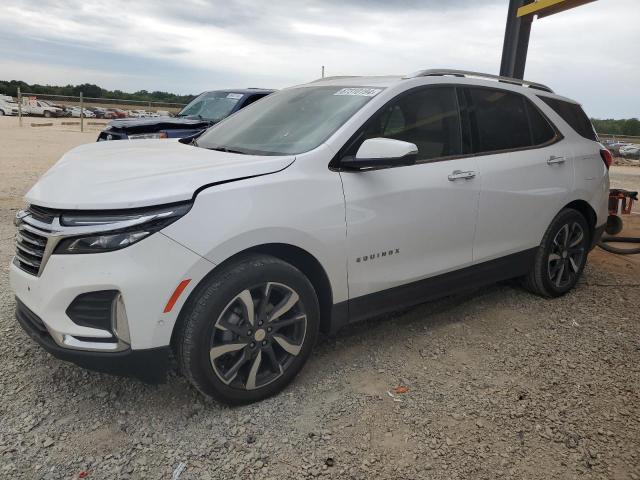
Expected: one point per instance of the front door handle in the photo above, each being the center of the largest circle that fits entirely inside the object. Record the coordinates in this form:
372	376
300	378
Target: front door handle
458	174
553	160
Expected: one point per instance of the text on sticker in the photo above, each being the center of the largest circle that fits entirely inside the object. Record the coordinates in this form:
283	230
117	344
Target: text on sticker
362	92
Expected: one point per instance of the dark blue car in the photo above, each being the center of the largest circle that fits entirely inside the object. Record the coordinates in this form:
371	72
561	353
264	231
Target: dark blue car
205	110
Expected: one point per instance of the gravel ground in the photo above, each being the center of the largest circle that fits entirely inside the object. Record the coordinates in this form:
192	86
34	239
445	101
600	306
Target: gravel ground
501	384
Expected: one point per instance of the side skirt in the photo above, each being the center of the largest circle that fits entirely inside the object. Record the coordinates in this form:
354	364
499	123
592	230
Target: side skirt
468	278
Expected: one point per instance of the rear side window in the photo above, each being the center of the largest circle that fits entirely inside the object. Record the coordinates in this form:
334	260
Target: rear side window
501	120
573	114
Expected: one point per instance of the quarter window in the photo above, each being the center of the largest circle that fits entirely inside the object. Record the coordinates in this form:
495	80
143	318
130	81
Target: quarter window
427	118
541	131
573	114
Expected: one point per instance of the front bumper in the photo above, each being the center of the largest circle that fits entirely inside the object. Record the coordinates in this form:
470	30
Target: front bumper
149	365
144	275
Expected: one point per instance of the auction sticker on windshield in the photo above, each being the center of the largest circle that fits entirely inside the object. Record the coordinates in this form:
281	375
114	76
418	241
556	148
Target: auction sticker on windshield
361	92
235	96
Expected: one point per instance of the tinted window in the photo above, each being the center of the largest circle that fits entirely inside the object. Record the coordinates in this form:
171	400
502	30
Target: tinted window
498	120
573	114
541	130
252	99
427	118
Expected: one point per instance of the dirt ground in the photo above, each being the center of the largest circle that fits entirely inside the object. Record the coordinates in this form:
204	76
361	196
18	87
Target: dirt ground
501	384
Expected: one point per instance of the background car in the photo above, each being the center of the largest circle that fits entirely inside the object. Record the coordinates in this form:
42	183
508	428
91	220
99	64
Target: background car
75	112
205	110
33	106
8	108
631	150
117	113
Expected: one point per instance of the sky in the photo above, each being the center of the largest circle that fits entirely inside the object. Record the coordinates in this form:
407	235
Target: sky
589	53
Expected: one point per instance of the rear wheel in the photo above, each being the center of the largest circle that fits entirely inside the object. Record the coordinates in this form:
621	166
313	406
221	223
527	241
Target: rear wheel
249	330
561	257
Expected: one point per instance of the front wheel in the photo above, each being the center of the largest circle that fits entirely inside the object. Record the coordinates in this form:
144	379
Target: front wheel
561	257
248	330
47	114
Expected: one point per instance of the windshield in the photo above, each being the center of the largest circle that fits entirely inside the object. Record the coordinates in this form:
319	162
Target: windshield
289	122
211	105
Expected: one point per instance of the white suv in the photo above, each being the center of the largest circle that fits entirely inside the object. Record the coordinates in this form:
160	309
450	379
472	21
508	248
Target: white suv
315	207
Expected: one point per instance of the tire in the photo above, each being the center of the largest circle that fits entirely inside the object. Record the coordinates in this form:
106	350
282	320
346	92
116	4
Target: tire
561	256
47	114
233	361
2	113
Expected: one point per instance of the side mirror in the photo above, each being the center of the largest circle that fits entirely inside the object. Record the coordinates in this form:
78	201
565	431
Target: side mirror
382	153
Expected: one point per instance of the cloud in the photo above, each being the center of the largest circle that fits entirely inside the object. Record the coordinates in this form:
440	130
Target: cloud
193	45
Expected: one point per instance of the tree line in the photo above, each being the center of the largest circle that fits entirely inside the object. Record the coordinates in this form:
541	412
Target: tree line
630	126
10	87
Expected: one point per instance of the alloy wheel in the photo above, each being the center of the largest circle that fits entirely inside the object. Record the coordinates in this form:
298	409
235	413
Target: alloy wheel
567	254
257	336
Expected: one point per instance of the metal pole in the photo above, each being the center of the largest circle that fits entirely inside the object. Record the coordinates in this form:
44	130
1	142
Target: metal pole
522	47
19	107
516	41
81	114
322	71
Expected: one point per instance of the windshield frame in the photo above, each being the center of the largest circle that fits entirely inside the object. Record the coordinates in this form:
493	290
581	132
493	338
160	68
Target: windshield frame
247	111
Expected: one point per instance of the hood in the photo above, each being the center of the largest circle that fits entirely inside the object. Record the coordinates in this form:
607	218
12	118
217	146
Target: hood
115	175
155	124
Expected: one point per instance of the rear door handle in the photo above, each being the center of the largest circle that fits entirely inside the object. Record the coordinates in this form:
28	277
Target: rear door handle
553	159
458	174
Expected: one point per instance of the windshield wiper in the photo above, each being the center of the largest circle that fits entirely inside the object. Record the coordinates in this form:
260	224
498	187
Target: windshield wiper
227	150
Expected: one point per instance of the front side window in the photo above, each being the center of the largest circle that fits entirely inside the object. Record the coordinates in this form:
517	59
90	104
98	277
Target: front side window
288	122
212	106
427	118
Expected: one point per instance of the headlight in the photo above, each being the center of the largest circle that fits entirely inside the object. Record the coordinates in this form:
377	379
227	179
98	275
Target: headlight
107	232
143	136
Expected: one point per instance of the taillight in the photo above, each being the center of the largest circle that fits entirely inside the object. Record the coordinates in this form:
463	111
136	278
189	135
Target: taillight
607	158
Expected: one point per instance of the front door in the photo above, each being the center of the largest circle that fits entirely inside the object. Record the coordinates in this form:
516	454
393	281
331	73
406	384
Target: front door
406	224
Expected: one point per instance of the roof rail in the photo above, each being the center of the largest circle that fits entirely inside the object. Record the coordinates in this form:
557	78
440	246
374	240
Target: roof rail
465	73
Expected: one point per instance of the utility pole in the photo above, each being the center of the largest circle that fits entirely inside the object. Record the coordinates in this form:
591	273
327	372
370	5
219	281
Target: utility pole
322	71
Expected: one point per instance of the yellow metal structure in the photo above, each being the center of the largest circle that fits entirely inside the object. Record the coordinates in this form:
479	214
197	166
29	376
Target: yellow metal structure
544	8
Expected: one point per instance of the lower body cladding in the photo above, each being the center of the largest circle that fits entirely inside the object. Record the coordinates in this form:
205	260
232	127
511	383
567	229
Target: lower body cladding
110	311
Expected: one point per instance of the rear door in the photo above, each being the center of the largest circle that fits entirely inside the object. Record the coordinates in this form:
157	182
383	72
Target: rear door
408	223
525	166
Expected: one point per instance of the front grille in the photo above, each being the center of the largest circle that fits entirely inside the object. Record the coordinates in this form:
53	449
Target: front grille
30	251
42	214
34	226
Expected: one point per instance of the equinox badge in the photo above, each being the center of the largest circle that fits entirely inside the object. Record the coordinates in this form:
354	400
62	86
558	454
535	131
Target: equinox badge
373	256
